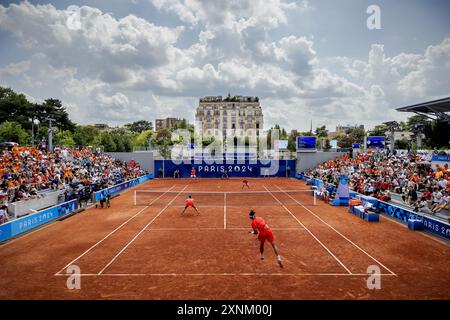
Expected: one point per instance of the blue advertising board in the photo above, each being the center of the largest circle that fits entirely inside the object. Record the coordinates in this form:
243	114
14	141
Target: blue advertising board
356	146
35	220
306	143
430	225
114	190
375	142
244	168
441	158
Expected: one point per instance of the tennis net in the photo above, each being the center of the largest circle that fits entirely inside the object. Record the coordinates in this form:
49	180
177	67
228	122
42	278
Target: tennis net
232	198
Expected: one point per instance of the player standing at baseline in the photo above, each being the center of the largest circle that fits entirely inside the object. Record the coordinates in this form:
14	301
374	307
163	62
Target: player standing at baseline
190	203
261	227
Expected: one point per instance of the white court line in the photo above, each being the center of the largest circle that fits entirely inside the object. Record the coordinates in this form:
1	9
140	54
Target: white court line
112	232
206	229
326	223
329	251
143	229
249	274
224	210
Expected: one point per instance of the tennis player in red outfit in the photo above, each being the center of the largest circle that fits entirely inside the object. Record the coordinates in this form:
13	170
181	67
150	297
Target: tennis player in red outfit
190	203
261	228
245	184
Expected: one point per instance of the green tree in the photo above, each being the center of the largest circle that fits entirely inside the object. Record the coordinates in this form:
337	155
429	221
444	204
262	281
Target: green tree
143	139
139	126
437	134
64	138
292	140
321	132
416	119
107	142
163	142
344	141
14	107
86	135
123	139
53	108
357	135
401	144
11	131
379	131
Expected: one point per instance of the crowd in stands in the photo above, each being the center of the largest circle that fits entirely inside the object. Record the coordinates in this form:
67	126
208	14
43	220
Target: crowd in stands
26	172
380	174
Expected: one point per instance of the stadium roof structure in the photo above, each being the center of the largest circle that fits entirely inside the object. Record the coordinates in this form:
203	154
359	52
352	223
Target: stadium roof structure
440	109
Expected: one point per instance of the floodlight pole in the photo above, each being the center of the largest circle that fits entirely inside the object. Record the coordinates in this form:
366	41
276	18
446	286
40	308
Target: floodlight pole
393	125
392	139
50	134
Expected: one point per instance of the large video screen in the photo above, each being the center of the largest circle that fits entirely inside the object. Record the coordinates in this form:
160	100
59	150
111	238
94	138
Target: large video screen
375	142
306	143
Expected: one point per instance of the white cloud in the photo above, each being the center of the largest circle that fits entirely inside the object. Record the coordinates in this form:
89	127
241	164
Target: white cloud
102	47
430	74
117	70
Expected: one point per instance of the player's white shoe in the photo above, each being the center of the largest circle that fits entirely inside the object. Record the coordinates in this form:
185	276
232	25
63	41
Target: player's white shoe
279	262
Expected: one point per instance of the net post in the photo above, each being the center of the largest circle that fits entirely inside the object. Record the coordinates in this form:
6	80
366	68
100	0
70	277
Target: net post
314	194
135	198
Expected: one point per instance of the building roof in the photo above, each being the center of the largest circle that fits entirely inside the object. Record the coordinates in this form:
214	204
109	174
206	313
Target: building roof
440	109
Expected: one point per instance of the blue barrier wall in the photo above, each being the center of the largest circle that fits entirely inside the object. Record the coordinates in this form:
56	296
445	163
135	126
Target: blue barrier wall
21	225
114	190
208	170
35	220
430	224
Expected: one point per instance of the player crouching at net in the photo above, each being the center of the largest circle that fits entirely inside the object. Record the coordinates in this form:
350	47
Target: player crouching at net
190	203
261	227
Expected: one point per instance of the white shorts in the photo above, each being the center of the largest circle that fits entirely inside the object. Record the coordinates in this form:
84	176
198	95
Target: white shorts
193	176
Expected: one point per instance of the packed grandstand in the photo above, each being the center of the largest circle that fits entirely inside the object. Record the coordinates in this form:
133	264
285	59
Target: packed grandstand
404	178
28	173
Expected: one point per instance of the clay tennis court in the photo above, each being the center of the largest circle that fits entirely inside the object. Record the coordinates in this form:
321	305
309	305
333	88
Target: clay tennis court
141	248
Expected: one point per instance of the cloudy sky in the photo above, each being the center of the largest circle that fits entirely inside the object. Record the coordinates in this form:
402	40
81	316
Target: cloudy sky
117	61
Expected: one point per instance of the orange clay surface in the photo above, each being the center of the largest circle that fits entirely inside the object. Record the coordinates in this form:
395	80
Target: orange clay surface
152	252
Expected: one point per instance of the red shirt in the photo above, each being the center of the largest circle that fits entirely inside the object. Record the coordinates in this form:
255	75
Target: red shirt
245	181
258	224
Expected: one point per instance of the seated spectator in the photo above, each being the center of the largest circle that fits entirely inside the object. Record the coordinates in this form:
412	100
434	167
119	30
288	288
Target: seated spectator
411	198
443	203
427	195
422	206
26	171
3	215
386	196
436	198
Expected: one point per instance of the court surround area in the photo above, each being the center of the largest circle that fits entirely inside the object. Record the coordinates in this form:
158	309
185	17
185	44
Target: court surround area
142	248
